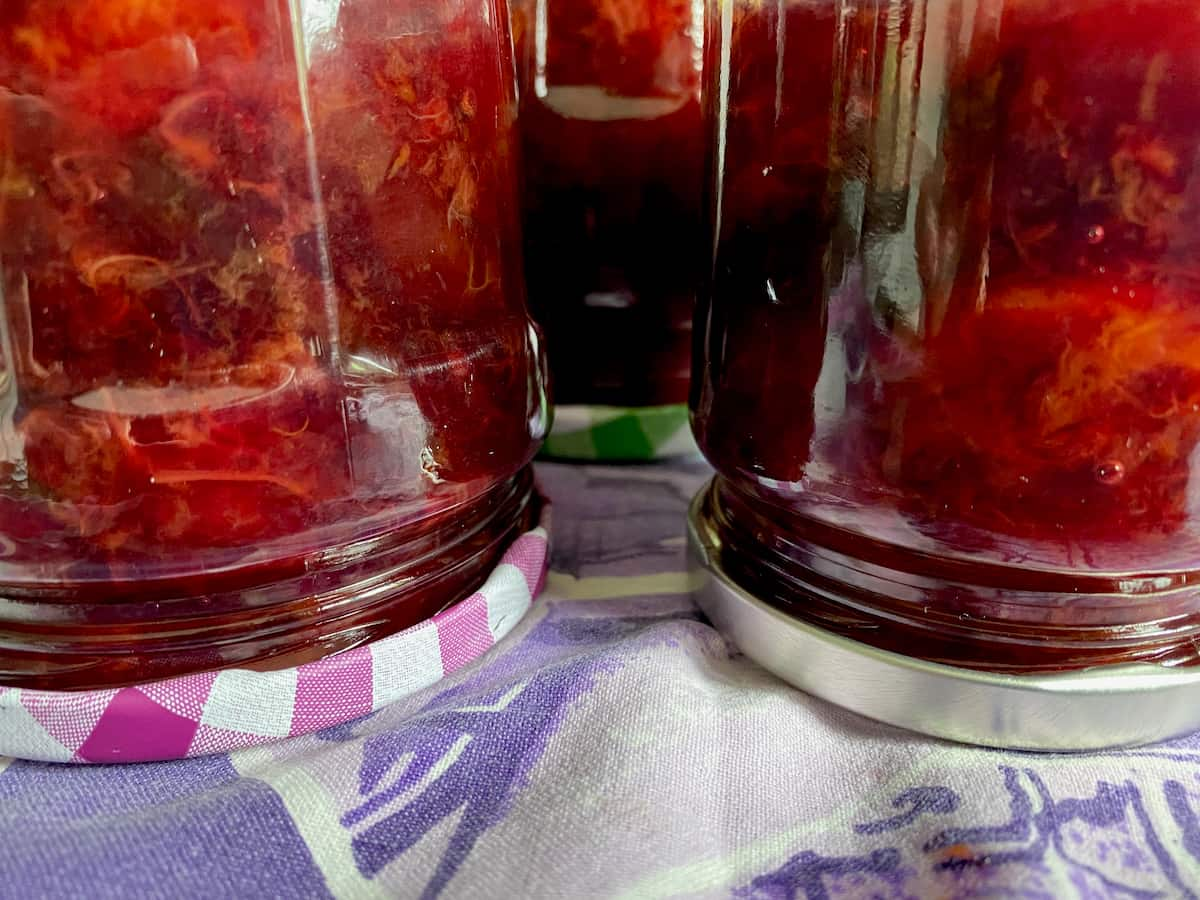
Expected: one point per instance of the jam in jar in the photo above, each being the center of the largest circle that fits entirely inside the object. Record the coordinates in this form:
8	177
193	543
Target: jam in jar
268	388
613	151
949	348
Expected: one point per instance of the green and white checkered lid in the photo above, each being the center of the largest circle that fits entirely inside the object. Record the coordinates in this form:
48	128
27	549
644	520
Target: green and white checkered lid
620	434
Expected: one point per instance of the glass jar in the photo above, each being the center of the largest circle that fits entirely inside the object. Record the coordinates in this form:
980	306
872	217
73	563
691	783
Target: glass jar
613	151
269	389
949	368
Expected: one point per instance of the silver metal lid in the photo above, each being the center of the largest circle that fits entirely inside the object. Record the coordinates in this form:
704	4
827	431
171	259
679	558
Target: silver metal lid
1104	707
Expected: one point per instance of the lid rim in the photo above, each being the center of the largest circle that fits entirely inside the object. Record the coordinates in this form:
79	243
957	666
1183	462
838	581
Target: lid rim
1102	707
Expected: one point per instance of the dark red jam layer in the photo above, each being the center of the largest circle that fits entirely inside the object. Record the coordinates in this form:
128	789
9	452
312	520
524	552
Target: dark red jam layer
953	333
262	310
613	152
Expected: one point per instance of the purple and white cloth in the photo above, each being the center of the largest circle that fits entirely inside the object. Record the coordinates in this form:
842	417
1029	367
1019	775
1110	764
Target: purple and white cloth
612	745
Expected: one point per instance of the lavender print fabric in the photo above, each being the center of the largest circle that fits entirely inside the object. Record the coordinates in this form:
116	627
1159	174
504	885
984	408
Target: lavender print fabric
611	746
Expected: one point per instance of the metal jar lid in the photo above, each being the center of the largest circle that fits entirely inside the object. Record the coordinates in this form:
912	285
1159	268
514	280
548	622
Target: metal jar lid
1103	707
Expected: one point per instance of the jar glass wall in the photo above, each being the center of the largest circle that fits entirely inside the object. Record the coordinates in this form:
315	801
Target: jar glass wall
613	149
949	354
269	388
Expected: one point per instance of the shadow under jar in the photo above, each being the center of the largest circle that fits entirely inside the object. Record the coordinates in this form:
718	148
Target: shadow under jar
948	361
612	142
268	388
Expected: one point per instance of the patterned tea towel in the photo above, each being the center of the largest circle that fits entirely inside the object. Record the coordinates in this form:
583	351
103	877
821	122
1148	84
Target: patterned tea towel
611	745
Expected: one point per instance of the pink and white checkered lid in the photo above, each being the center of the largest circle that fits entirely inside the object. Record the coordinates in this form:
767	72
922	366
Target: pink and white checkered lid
213	712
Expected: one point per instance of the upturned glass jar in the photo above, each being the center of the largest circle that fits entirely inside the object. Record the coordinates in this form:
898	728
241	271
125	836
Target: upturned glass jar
269	389
613	150
948	361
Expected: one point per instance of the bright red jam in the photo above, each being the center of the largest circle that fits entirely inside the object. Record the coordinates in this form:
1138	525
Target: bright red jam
951	362
268	379
613	151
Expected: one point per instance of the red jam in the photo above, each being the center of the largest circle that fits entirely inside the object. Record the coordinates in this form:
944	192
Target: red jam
951	364
613	151
264	344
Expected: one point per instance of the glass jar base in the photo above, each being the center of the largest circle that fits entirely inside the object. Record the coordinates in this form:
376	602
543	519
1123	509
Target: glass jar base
1101	707
964	610
296	611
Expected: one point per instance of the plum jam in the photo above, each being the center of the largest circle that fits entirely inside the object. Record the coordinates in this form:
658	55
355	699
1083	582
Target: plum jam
949	350
613	151
268	388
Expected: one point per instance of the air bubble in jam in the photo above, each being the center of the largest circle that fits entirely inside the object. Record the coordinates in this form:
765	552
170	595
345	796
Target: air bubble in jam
1110	473
264	336
981	350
